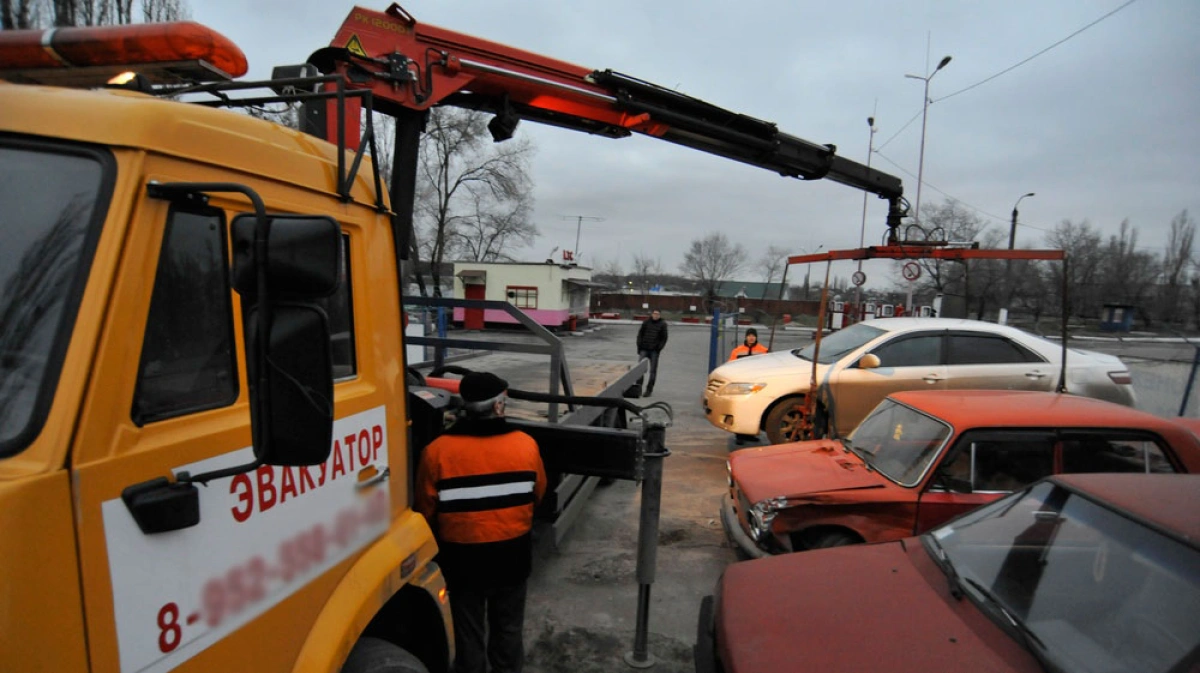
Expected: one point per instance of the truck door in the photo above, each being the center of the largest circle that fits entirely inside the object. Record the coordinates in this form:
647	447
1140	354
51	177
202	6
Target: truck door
54	270
169	395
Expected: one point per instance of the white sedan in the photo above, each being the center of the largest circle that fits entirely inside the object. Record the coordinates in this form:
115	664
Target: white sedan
860	365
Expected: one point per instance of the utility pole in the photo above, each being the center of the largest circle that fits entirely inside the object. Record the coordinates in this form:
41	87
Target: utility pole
924	116
862	232
579	225
1012	240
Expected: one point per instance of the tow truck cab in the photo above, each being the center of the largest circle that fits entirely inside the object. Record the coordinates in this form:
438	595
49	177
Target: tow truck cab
177	490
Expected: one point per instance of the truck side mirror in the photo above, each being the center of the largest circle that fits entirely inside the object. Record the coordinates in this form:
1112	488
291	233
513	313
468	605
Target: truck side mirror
290	367
302	256
868	361
291	395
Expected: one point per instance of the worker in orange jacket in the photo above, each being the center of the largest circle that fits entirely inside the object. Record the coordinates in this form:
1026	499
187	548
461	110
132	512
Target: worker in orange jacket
749	347
477	485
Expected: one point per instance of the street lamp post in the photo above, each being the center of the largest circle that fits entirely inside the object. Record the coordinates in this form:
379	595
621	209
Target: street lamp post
1012	230
1012	240
862	232
924	116
808	267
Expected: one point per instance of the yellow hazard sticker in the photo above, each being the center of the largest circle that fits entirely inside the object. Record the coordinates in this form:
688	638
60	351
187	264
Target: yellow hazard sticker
355	46
899	432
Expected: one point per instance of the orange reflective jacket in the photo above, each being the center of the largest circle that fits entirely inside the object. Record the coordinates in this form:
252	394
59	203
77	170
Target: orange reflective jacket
477	489
744	351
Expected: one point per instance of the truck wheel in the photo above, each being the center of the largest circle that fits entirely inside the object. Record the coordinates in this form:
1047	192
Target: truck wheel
373	655
788	421
831	538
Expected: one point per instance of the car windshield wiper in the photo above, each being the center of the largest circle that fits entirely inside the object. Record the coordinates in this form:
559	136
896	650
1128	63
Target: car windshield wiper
1030	640
860	452
947	567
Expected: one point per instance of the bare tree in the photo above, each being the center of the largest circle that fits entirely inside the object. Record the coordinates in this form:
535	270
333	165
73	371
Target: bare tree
18	14
645	268
772	263
1084	264
155	11
458	170
63	13
495	227
1129	275
953	222
1175	263
712	260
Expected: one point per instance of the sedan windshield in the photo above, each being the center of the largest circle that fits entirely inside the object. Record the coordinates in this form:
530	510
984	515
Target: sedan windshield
1094	590
838	344
899	441
49	198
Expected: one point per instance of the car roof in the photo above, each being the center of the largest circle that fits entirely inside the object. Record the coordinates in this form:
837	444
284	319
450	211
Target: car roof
965	409
909	324
1169	502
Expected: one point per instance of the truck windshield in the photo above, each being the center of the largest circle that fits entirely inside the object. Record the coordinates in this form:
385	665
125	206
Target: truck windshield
50	197
834	346
1095	590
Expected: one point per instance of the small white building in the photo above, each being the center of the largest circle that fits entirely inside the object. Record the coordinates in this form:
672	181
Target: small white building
555	295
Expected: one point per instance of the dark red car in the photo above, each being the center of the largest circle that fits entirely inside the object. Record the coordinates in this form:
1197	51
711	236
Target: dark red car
1095	572
923	457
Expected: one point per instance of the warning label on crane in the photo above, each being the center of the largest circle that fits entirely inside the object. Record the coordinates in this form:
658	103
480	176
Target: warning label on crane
911	271
354	46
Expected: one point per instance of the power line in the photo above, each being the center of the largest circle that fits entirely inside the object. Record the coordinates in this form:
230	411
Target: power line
1006	70
998	218
1014	67
897	133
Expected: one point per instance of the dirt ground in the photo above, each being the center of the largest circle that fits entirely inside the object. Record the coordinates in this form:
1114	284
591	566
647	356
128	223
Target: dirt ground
582	607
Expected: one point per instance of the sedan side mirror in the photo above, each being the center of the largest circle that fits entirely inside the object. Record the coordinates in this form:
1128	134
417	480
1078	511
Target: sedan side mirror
869	361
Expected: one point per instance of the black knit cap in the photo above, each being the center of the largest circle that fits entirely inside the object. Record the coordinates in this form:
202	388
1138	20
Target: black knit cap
751	331
480	386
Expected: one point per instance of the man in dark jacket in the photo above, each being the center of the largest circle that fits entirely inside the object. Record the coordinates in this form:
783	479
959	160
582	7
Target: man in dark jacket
651	339
477	485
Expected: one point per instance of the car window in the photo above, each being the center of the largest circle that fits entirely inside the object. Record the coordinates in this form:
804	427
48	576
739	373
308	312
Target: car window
997	463
1099	590
971	349
1099	454
834	346
899	441
911	351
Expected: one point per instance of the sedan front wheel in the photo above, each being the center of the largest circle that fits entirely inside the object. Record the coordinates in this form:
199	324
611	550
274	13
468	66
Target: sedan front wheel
790	421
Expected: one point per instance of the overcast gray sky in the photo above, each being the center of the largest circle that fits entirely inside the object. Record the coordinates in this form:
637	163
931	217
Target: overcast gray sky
1103	127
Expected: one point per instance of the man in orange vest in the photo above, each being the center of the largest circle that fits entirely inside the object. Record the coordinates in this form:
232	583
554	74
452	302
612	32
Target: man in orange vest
477	485
749	347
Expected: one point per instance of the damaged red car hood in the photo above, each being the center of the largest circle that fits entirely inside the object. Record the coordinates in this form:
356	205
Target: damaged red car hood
862	608
800	469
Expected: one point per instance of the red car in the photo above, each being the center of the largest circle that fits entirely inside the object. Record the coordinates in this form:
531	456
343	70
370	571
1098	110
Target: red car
1096	572
923	457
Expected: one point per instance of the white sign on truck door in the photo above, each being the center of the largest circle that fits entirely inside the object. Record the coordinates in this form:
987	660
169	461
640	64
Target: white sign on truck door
262	536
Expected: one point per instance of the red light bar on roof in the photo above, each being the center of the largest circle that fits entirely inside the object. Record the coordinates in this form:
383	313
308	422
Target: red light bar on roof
163	52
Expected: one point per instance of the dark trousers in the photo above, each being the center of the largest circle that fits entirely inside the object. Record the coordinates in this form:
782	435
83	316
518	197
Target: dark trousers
500	614
652	356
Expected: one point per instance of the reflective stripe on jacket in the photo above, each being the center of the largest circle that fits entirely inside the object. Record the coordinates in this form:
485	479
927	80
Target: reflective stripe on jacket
478	489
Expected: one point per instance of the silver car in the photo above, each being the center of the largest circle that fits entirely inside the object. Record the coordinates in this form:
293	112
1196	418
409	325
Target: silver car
858	366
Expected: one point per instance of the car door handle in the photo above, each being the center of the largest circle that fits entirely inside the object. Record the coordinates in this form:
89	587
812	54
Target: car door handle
1034	375
932	378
